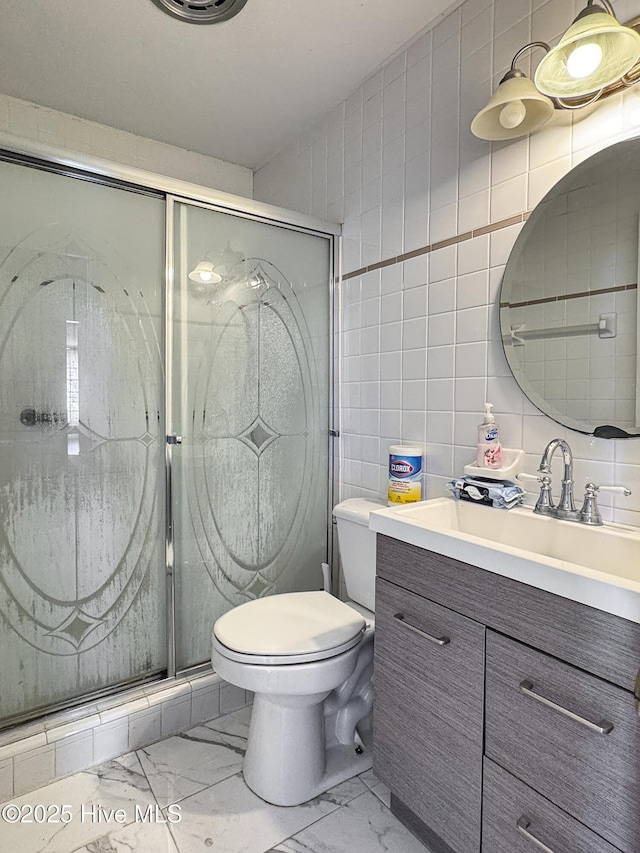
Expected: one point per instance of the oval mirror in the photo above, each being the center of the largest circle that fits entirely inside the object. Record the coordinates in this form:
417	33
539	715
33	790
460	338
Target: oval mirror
569	297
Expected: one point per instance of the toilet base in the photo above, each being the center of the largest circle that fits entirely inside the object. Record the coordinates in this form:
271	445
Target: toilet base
342	762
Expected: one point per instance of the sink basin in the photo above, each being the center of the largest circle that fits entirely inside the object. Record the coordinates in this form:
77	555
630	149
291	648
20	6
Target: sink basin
598	566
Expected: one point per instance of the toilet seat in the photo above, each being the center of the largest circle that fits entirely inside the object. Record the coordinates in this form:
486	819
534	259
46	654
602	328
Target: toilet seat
288	628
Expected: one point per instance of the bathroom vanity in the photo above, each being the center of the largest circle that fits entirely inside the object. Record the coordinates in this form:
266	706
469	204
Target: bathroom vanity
504	714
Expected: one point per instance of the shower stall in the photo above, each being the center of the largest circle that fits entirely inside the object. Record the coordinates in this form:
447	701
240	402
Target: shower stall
166	409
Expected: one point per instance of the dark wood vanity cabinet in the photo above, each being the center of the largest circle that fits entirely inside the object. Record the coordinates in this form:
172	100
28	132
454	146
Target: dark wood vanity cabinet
504	716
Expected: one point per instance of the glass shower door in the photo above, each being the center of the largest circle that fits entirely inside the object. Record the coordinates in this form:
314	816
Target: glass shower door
82	585
250	402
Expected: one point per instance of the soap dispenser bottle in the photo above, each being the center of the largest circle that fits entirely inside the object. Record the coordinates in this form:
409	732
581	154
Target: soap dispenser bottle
489	449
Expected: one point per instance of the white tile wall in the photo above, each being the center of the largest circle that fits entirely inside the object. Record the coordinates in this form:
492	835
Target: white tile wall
205	704
74	753
37	753
40	124
231	698
145	727
34	768
6	780
110	740
176	716
414	116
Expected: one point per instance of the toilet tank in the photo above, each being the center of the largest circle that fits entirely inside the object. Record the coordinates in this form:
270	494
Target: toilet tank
357	549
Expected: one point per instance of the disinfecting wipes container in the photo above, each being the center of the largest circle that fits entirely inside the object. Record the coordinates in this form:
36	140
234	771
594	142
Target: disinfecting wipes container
405	474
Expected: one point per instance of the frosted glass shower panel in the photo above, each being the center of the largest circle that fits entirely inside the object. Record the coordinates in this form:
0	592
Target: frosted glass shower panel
250	399
81	485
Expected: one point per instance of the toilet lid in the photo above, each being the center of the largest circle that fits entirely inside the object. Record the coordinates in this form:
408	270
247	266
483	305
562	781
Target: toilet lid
293	623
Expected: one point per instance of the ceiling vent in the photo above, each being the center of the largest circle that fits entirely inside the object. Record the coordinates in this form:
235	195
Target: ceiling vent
201	11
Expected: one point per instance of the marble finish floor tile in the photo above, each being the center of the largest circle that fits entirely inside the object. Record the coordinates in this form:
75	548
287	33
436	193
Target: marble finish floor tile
187	763
230	818
133	838
235	723
379	788
200	771
92	796
364	825
343	793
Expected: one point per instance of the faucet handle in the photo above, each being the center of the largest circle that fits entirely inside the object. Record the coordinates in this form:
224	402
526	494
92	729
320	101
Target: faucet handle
618	490
544	504
524	476
590	514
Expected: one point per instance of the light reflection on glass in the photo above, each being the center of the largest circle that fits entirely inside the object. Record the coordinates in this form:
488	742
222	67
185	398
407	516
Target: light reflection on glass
73	388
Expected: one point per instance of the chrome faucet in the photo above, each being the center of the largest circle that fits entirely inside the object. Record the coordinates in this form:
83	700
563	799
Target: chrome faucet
589	514
566	507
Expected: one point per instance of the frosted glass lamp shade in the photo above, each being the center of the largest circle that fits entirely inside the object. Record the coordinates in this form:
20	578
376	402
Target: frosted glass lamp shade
515	109
595	52
204	274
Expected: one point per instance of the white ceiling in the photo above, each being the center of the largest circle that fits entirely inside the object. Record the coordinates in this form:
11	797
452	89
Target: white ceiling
237	90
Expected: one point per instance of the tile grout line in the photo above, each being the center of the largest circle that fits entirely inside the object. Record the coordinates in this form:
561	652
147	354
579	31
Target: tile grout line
157	802
329	814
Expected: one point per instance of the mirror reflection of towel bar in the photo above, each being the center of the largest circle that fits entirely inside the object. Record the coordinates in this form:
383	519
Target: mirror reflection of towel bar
606	327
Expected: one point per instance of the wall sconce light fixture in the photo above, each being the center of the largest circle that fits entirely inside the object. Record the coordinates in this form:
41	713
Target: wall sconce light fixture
596	57
516	107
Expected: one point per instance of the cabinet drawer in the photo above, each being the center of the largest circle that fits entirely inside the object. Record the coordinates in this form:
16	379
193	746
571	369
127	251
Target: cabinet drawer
428	712
572	737
515	819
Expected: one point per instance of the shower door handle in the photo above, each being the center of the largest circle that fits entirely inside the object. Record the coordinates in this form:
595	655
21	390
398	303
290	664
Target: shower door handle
174	439
29	417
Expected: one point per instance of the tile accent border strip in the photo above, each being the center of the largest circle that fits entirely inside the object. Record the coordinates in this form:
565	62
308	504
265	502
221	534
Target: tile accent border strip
564	296
441	244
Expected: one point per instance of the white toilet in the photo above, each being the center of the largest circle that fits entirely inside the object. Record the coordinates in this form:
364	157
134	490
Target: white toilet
309	659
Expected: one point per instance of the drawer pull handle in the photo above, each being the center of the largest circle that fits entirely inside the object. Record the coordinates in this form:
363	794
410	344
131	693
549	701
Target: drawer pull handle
523	828
604	727
439	641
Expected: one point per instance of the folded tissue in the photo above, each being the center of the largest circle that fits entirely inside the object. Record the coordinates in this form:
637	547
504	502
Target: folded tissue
503	494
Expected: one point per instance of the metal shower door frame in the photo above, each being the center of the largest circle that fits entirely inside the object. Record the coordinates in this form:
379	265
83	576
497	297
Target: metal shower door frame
290	223
94	169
